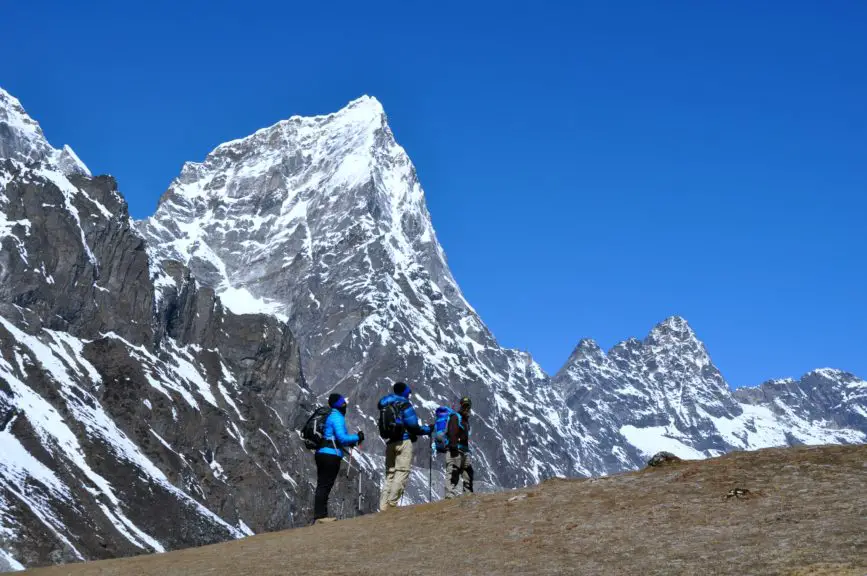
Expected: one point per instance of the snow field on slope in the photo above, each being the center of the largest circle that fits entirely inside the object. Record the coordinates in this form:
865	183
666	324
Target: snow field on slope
51	425
12	563
241	301
655	439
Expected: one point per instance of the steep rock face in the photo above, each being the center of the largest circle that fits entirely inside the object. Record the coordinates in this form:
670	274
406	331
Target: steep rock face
135	415
58	219
323	221
664	393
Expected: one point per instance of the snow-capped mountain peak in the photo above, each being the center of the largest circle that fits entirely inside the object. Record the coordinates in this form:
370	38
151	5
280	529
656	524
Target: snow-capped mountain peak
280	201
673	331
22	140
675	346
365	105
587	349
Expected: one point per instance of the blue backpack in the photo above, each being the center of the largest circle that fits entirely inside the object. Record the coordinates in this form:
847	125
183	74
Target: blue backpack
441	428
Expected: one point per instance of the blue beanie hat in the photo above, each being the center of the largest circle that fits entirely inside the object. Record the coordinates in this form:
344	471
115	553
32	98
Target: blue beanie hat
336	401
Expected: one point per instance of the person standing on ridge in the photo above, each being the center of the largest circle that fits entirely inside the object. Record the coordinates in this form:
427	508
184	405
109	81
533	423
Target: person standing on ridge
458	467
330	454
400	428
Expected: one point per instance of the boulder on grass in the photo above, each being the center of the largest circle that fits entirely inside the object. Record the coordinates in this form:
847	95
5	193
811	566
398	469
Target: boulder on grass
663	458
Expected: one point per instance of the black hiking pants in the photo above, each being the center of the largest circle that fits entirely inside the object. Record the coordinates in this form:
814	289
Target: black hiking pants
327	468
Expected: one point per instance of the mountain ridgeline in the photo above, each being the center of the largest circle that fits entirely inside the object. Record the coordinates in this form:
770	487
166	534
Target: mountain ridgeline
153	373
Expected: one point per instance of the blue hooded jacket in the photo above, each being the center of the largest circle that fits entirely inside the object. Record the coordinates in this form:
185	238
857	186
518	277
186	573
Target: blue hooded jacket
411	425
336	437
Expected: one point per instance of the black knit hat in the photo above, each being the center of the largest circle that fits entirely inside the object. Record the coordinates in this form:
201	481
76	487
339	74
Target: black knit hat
401	389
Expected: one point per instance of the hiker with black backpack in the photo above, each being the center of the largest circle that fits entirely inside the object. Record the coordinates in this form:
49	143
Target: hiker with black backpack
400	428
325	432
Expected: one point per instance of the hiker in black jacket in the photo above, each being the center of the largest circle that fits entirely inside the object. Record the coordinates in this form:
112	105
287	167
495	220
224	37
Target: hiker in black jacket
459	470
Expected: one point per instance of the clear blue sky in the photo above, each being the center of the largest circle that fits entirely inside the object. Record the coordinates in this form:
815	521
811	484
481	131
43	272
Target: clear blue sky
590	169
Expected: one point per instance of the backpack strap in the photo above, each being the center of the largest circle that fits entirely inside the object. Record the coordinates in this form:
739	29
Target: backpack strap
333	439
458	414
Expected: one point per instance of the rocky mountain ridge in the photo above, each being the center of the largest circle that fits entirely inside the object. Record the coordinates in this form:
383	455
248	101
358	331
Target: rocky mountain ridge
664	393
152	373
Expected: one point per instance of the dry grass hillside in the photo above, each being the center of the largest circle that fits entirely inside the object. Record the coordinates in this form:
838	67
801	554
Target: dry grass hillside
805	513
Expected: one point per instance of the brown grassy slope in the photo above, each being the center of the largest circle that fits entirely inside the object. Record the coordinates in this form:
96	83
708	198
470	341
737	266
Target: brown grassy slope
807	514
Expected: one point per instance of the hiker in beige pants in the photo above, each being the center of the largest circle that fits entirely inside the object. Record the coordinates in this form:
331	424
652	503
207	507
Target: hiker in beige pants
399	425
398	462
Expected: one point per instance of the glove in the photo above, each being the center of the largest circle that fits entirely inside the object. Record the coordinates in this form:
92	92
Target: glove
360	436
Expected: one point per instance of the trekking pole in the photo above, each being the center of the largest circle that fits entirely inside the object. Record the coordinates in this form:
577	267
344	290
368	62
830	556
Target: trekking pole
360	497
430	474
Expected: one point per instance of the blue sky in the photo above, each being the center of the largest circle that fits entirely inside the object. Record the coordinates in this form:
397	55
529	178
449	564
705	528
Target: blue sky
590	169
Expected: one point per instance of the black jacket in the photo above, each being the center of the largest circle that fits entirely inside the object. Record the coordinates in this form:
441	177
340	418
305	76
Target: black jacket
459	435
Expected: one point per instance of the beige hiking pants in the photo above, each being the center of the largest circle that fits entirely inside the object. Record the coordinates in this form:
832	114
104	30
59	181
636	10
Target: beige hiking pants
398	461
457	475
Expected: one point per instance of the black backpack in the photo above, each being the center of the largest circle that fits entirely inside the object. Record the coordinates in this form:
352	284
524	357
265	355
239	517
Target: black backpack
391	420
313	432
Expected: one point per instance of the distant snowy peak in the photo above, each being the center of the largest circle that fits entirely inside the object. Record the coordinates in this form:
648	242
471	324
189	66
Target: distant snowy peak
675	325
670	351
22	140
664	393
675	338
585	358
825	395
587	349
666	379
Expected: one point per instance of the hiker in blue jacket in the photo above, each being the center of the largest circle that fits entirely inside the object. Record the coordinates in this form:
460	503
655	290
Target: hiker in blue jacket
399	436
330	454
